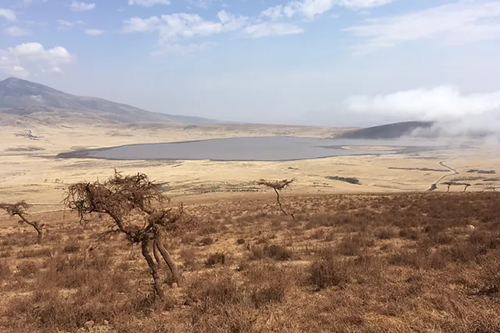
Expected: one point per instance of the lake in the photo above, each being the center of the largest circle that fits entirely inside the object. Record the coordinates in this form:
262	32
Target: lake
255	149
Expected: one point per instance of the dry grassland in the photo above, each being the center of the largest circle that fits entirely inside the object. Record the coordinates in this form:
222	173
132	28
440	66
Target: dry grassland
346	263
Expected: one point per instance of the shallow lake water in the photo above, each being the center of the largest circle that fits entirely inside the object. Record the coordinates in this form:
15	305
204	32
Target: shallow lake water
255	149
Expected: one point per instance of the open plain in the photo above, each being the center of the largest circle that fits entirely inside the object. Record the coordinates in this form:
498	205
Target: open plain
31	172
368	249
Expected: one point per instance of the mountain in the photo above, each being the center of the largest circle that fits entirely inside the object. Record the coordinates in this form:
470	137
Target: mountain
389	131
24	98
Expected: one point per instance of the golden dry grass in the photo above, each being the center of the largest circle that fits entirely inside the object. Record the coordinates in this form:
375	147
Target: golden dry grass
346	263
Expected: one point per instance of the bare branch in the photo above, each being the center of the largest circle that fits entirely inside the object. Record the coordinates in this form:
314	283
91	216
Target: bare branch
19	209
278	186
135	206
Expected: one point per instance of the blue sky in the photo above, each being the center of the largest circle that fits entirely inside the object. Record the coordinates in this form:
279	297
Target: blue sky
314	62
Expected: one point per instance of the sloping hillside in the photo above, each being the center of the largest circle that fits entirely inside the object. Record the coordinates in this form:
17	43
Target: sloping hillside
389	131
24	98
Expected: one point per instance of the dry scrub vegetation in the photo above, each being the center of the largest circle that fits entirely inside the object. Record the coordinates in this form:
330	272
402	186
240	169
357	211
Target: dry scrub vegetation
346	263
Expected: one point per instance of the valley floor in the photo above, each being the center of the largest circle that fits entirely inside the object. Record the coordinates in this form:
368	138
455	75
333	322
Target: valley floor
29	171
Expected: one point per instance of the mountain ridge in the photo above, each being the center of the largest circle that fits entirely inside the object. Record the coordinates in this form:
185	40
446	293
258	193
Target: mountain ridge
388	131
20	97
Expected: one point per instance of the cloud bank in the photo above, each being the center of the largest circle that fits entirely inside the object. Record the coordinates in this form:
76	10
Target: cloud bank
442	102
455	113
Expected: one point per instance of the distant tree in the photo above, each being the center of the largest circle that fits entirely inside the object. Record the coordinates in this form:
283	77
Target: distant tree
19	209
278	186
136	208
466	185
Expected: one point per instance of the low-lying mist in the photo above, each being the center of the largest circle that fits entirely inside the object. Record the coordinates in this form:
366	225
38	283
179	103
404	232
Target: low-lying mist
484	128
455	114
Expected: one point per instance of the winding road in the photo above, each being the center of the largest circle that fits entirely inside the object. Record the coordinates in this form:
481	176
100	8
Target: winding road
455	172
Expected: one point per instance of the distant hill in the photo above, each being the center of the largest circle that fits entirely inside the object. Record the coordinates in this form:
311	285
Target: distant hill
23	98
389	131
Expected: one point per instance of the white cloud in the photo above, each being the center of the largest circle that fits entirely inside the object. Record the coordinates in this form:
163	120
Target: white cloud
136	24
148	3
174	28
15	60
17	71
8	14
364	3
266	29
444	102
94	32
460	22
231	22
66	25
17	31
282	12
77	6
279	12
312	8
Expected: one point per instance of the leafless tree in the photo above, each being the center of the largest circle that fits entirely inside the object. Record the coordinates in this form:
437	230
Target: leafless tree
136	208
466	185
19	209
278	186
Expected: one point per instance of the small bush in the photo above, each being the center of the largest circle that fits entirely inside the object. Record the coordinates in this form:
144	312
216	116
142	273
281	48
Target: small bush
27	269
276	252
352	245
486	172
490	277
215	259
351	180
327	272
409	233
274	293
207	241
208	230
240	241
415	259
214	289
71	248
385	233
189	257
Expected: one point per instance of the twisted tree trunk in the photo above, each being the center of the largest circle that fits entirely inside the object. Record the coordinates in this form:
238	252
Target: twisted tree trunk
176	276
146	252
157	255
35	225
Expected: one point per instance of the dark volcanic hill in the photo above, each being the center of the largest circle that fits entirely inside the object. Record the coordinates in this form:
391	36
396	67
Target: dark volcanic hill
390	131
24	98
